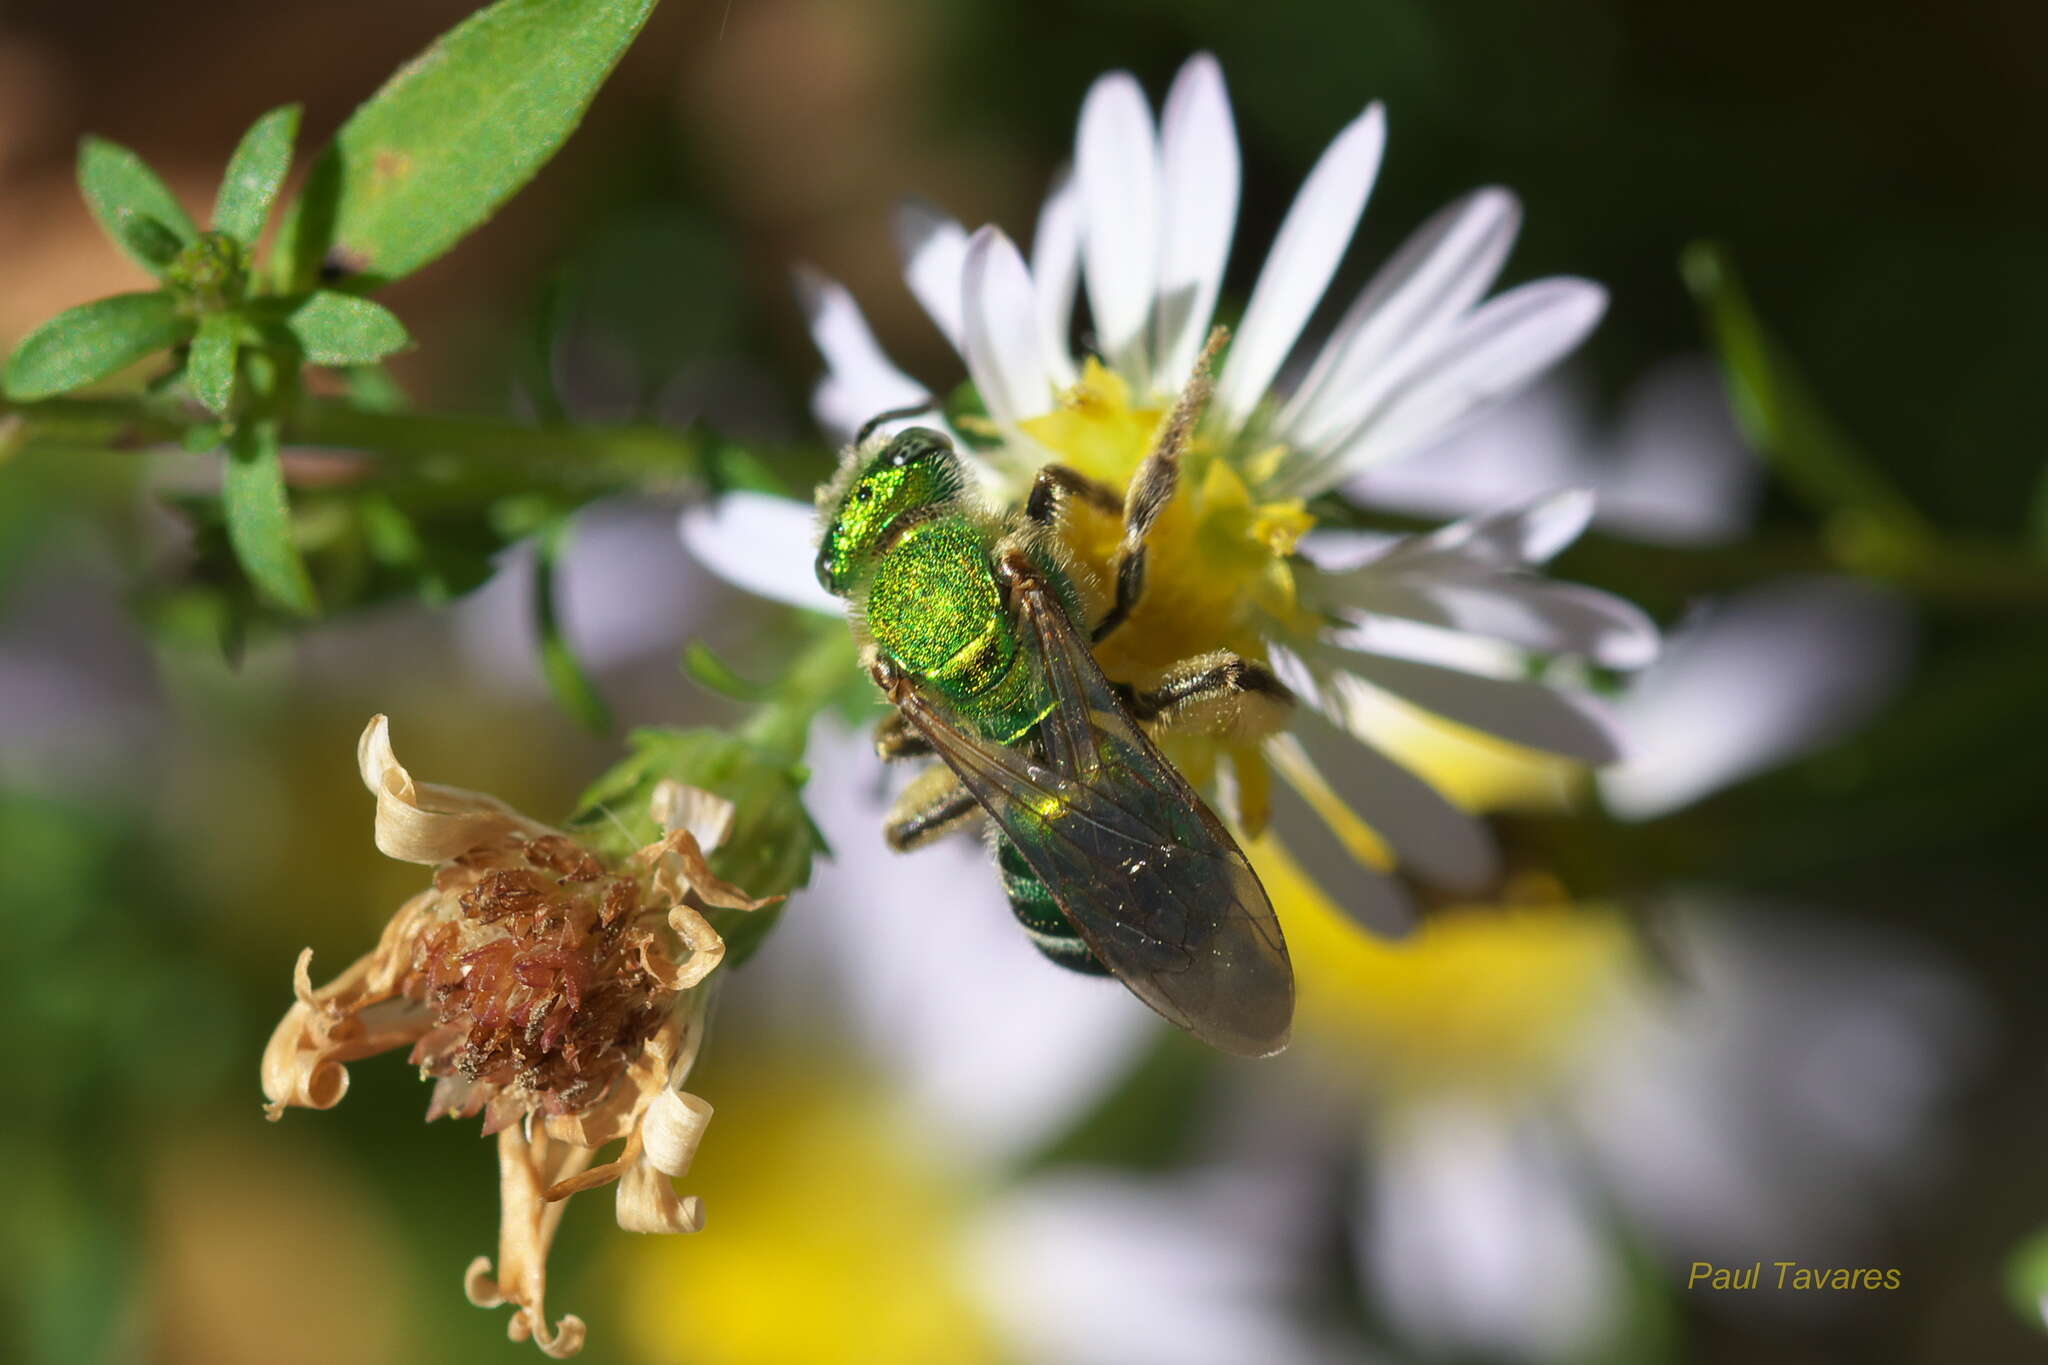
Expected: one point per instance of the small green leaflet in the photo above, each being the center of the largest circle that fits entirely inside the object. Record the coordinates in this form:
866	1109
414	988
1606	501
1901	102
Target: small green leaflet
210	368
148	241
255	173
118	186
342	329
260	519
451	136
87	343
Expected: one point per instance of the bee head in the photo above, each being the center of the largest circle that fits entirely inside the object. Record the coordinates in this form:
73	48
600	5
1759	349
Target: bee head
912	473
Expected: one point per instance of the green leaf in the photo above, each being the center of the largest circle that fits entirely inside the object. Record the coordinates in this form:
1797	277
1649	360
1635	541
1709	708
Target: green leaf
341	329
564	672
92	341
149	241
210	369
255	172
453	135
203	437
118	187
1786	423
371	388
260	519
714	673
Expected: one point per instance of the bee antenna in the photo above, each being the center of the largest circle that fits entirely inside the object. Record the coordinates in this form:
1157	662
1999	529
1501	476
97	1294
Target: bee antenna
867	428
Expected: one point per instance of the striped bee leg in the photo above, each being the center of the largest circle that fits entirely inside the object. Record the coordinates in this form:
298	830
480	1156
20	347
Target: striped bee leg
1054	483
931	807
1154	485
1219	695
896	739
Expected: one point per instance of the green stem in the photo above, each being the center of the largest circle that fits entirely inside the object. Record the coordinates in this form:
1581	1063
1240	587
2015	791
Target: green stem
635	455
813	680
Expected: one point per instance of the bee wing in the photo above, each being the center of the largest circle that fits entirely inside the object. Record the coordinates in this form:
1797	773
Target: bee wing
1144	870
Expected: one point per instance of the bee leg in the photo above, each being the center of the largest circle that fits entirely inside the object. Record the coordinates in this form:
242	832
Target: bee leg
1153	486
896	738
931	807
1219	695
1054	479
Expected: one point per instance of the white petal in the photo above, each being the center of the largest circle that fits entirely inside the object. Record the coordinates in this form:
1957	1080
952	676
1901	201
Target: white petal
1498	348
763	544
1311	241
1001	330
861	376
1118	159
1200	178
1055	271
1479	1236
1521	711
1431	838
1439	272
1513	538
1761	678
1532	613
1370	898
1085	1268
843	410
1680	472
933	248
1531	444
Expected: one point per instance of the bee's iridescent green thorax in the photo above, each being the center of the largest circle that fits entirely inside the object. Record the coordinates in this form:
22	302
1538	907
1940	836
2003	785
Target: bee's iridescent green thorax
903	540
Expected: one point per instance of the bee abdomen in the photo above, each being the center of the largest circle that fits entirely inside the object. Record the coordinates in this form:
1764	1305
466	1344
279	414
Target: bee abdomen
1045	924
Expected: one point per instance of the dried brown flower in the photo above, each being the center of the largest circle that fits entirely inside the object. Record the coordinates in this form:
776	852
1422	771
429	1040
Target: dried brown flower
555	994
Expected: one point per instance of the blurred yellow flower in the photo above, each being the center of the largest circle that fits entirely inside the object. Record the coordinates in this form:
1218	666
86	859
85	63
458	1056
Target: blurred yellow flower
842	1243
1492	997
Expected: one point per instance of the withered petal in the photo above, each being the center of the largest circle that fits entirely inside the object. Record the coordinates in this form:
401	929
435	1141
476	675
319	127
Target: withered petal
423	822
705	815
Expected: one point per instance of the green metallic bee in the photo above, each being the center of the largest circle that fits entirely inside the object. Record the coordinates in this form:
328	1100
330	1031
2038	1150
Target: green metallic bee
969	626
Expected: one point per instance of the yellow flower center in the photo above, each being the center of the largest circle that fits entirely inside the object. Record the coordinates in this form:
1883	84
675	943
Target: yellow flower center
1492	998
1218	569
830	1238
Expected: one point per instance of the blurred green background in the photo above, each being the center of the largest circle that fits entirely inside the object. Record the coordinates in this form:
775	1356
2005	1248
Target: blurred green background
172	831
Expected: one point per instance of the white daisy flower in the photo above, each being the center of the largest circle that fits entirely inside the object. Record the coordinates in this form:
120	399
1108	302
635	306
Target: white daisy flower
1744	682
1783	1102
1441	621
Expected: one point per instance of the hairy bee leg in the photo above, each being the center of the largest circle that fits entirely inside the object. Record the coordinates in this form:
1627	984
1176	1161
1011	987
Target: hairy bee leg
931	807
1054	479
1155	483
895	739
1219	695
